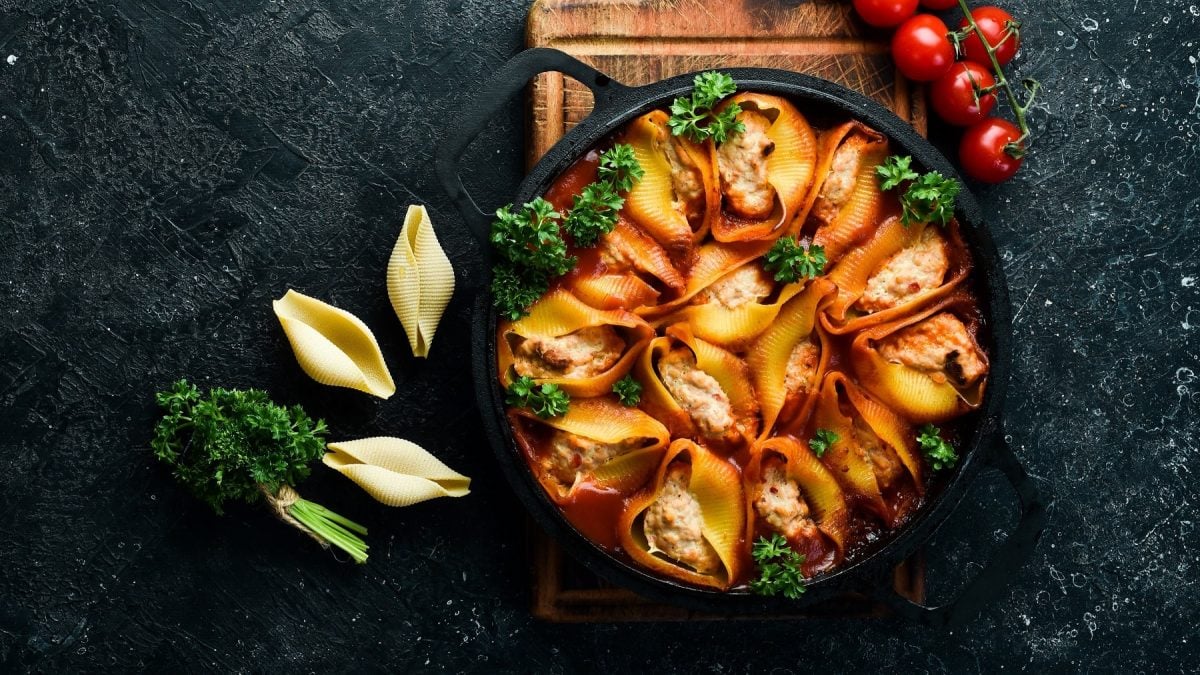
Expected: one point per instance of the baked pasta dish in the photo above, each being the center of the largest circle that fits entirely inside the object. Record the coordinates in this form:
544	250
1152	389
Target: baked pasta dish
726	325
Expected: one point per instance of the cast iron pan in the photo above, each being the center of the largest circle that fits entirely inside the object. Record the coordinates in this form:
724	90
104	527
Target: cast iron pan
983	443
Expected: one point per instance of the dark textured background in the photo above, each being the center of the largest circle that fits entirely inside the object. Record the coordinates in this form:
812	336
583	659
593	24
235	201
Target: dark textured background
167	168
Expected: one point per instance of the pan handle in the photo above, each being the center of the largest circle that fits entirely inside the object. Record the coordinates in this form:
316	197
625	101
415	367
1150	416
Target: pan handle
509	80
983	589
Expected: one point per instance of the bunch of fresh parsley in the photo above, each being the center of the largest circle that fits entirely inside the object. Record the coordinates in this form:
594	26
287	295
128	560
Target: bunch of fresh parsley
791	261
779	568
693	116
545	400
940	453
232	444
929	196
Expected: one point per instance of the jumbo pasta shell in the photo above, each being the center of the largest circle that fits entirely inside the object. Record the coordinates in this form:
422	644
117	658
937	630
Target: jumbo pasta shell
732	328
790	167
852	274
920	396
846	199
394	471
559	313
333	346
654	202
714	486
768	357
712	261
420	280
605	421
820	490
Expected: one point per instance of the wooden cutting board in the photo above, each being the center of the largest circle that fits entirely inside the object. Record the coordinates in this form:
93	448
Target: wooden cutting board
641	41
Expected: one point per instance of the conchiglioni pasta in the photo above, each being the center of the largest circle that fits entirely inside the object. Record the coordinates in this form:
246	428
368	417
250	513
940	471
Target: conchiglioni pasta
764	407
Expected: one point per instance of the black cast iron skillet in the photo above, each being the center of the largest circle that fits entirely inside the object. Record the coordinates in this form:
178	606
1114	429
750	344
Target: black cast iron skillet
982	443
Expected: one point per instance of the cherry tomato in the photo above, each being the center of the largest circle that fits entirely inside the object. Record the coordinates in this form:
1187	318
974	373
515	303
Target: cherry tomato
955	96
885	13
999	28
921	50
939	5
982	150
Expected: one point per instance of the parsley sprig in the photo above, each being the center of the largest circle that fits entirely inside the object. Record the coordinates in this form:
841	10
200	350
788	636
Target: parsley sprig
594	213
238	445
693	116
822	440
545	400
778	568
791	261
529	237
929	196
940	453
628	390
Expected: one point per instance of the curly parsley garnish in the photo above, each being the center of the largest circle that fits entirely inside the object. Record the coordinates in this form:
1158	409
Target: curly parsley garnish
791	262
940	453
529	237
694	117
514	289
929	197
628	390
594	213
619	167
545	400
821	441
778	568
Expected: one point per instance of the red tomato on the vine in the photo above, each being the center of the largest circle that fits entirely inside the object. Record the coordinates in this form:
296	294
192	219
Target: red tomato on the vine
921	50
983	151
885	13
955	96
939	5
1001	32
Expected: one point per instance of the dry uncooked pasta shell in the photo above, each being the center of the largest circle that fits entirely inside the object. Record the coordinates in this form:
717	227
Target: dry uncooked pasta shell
333	346
420	280
394	471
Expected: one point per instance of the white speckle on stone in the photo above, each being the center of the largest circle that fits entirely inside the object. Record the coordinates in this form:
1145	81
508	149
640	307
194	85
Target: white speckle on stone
1188	282
12	58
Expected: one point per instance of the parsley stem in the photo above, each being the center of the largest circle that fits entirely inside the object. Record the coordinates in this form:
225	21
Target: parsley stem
331	527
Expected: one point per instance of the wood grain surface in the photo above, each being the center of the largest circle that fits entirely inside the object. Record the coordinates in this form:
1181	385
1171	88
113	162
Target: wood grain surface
640	41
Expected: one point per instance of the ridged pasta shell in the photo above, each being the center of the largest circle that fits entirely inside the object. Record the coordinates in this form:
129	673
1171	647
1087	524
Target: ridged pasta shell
420	280
715	485
849	462
604	420
853	272
559	313
768	357
840	227
821	491
652	202
614	291
713	260
916	394
333	346
732	328
790	169
394	471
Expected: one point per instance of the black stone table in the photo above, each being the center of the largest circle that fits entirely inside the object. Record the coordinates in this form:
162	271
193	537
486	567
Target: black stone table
167	168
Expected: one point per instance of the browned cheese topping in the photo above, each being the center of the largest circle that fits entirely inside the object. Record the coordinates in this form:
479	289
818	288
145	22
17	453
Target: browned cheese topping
674	525
801	374
746	284
584	353
697	392
780	504
742	163
940	346
912	270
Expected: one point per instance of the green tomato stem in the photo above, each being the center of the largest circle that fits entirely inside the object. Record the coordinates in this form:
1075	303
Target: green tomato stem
1002	81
